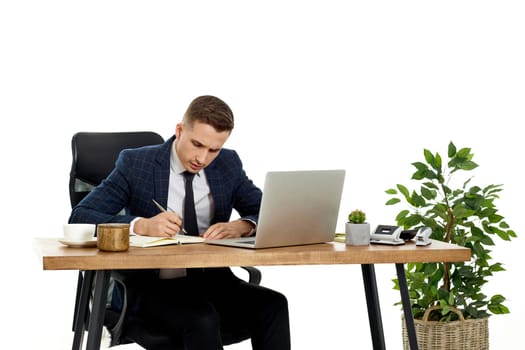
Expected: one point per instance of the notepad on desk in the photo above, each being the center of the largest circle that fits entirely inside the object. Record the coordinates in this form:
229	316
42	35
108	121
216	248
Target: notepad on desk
340	237
149	241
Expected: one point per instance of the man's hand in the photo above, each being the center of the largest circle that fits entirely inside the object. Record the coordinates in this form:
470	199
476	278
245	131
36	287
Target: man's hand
165	224
232	229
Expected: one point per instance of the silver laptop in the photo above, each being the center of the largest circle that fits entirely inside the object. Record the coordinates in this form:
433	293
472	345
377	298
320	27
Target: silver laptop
298	207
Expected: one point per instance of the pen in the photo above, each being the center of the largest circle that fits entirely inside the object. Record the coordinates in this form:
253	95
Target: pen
164	210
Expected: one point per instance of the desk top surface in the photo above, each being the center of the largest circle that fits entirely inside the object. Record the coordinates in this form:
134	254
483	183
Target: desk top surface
56	256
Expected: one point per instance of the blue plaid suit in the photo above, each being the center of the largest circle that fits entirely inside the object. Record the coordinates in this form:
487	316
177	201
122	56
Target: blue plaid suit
244	310
142	174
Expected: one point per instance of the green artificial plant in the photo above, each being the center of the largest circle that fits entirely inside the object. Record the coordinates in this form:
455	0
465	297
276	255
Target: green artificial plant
459	213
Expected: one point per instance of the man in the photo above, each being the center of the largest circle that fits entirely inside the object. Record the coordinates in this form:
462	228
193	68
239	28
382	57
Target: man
201	308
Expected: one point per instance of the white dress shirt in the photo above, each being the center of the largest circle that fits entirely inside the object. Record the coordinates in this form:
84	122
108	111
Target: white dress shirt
204	207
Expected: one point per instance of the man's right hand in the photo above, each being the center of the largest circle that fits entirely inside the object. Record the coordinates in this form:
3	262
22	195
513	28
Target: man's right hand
166	224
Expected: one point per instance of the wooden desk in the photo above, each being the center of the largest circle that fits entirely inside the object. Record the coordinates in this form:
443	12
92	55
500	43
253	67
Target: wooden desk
98	266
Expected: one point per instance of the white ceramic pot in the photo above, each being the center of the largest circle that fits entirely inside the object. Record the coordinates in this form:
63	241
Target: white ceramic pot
357	234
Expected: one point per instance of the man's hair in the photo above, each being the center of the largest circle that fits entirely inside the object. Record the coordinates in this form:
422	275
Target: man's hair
210	110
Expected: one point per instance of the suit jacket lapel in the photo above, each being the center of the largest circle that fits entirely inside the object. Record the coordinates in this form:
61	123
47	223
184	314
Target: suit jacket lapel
218	191
162	172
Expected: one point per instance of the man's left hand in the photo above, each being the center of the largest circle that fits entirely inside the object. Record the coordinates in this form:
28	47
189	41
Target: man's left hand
233	229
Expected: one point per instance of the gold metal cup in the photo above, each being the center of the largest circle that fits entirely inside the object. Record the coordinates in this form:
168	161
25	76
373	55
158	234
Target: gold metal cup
113	237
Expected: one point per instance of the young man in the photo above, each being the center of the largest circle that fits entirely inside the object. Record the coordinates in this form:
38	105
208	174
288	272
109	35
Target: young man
201	308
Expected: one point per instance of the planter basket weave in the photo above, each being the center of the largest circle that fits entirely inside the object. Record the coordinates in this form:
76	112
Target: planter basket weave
471	334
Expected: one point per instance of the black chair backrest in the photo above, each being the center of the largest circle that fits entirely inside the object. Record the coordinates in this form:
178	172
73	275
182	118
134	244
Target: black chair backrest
94	156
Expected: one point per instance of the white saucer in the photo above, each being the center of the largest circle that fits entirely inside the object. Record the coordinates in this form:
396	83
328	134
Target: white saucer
87	244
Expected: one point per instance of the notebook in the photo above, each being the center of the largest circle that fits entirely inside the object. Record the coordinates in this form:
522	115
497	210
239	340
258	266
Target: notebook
149	241
298	207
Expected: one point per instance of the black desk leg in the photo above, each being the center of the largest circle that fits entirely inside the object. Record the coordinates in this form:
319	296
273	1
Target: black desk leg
374	311
77	299
96	320
82	307
407	309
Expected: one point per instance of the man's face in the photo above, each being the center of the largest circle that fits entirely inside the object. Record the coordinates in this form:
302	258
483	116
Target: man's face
199	145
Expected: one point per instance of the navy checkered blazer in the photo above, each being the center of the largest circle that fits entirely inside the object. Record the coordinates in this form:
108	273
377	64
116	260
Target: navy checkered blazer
142	174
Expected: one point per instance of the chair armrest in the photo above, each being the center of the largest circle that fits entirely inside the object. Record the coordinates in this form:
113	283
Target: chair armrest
254	273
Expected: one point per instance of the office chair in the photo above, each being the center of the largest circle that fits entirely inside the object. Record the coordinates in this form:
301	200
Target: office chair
94	155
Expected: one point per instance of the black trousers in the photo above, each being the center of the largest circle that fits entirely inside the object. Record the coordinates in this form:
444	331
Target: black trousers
212	307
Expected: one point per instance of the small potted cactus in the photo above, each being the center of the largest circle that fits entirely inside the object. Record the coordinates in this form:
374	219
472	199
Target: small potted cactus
357	229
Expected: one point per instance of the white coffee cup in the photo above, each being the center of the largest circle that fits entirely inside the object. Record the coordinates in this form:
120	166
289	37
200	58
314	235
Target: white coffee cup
79	232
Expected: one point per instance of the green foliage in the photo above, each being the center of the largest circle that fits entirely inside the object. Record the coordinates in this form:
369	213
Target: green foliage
357	217
463	214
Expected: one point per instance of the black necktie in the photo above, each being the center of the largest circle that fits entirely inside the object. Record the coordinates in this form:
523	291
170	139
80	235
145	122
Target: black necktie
190	218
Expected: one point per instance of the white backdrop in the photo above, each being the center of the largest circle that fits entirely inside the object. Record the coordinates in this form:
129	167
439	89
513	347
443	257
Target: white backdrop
362	86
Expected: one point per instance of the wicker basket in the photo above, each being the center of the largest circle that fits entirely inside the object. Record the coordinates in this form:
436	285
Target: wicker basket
471	334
